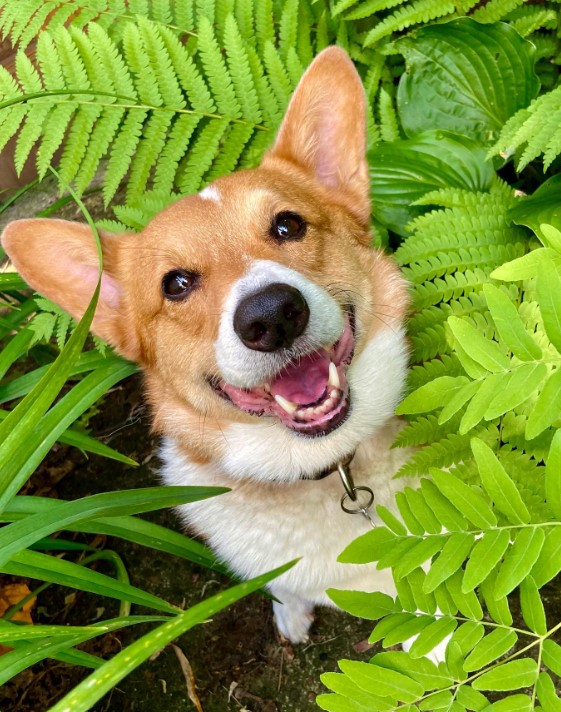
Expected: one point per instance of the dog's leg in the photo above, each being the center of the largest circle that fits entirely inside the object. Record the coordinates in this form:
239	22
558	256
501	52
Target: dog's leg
293	617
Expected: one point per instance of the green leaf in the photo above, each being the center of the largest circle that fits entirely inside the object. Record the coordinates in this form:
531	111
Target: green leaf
437	701
547	694
403	171
351	694
532	607
468	635
430	396
547	408
513	703
519	560
551	655
368	547
491	647
87	692
488	389
406	630
509	325
466	499
500	488
422	669
420	553
18	535
548	288
449	560
542	207
390	520
509	676
468	603
26	655
527	266
486	554
484	351
471	699
553	476
132	529
432	636
548	564
524	381
497	608
446	513
465	77
382	681
457	400
363	605
33	564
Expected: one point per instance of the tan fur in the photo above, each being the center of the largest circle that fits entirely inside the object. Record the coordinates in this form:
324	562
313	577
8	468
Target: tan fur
317	168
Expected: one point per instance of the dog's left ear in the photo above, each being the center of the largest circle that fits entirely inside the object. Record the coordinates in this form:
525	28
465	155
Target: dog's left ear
324	129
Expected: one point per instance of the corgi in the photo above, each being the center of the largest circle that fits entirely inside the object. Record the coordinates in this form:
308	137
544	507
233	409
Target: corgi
271	335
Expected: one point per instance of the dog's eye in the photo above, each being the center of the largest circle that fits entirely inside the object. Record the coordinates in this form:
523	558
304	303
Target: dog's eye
178	284
288	226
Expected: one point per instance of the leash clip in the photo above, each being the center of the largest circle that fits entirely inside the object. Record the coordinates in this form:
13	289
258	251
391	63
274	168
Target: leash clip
354	493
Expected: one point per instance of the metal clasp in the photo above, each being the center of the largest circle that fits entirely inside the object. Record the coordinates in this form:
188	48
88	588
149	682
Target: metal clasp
354	493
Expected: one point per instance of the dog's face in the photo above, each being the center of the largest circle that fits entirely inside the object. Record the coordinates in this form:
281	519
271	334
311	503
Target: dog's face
262	319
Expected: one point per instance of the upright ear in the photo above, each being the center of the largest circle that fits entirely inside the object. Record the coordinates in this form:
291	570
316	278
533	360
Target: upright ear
324	129
60	260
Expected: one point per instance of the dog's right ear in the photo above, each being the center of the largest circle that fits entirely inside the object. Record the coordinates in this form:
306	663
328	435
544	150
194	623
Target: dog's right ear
59	259
324	130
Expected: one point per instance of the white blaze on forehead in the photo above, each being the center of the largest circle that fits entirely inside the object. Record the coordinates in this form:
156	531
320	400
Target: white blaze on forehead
246	368
210	193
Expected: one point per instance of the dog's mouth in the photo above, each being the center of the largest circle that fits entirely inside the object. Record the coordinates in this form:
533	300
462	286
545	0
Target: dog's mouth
309	395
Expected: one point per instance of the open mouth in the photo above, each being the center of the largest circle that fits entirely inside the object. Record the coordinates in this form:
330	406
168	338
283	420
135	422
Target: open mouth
310	394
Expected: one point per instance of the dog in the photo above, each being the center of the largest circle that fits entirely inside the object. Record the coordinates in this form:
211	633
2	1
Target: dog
271	335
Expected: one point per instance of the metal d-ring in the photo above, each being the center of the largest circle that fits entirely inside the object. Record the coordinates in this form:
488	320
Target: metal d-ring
360	509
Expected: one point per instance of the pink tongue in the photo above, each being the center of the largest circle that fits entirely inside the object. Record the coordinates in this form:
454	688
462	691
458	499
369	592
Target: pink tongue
303	381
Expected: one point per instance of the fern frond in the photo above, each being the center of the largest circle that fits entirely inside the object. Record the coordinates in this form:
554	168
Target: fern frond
122	152
415	12
201	156
530	18
536	128
238	63
288	27
495	10
424	430
278	76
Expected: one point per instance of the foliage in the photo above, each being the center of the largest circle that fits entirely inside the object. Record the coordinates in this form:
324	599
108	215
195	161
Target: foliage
193	89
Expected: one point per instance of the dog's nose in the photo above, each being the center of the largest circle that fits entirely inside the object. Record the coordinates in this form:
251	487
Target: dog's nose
271	318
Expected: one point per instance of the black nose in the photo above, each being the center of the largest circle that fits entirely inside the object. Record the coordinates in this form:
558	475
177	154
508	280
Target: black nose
271	318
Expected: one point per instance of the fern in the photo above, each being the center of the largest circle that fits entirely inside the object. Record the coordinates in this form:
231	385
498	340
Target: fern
151	92
416	12
535	129
486	537
21	22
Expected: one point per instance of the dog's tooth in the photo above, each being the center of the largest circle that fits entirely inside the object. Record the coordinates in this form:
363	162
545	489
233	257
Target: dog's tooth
333	376
266	388
286	405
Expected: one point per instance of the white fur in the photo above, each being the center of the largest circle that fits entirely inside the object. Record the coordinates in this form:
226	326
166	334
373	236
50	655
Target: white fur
210	193
272	515
376	377
247	368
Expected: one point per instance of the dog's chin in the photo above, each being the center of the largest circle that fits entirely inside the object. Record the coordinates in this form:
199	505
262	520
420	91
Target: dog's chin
309	395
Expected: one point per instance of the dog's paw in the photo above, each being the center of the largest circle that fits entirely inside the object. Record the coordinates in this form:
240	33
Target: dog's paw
293	620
